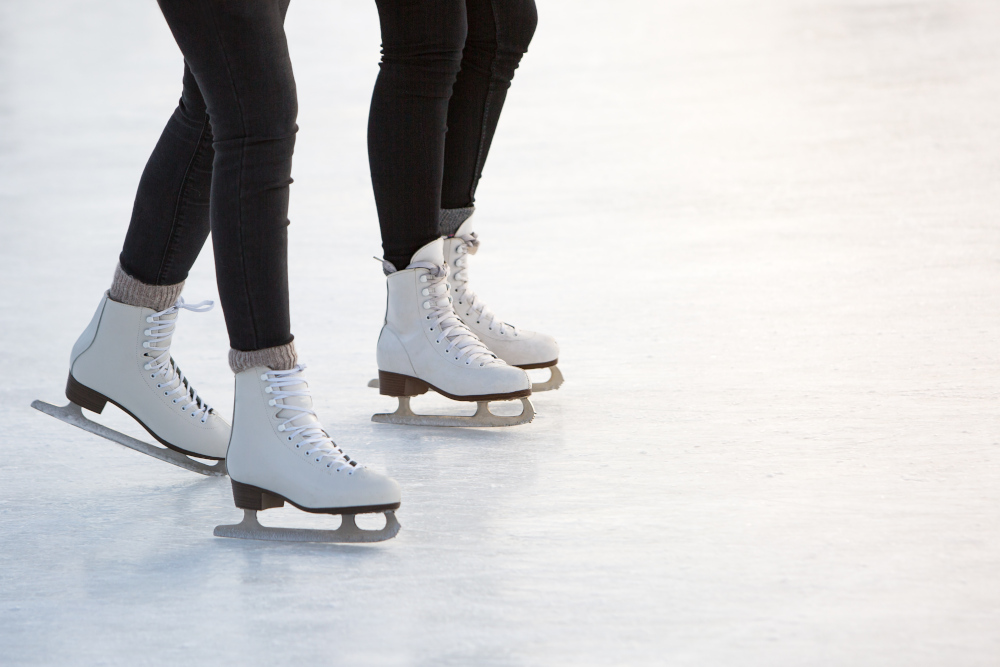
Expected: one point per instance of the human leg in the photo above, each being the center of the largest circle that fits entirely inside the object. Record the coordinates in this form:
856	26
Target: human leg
124	356
499	34
422	44
423	345
279	450
170	220
238	55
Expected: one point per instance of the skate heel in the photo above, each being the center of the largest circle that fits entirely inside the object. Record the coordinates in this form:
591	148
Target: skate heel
394	384
249	497
85	397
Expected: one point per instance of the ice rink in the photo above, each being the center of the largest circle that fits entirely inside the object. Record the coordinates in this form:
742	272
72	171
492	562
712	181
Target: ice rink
765	235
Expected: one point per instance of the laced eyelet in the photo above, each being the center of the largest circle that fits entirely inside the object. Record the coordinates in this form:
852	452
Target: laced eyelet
149	320
166	393
289	438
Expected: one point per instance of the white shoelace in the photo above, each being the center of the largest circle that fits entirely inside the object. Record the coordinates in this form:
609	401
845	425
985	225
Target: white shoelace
163	364
315	440
470	244
461	340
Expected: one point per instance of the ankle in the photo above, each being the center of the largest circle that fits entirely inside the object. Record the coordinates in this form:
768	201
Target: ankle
133	292
278	358
452	218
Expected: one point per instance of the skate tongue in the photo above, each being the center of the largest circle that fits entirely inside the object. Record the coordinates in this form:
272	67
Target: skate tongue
433	253
165	330
301	418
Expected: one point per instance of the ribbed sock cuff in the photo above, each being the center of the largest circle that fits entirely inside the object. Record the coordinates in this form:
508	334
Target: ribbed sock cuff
280	358
133	292
452	218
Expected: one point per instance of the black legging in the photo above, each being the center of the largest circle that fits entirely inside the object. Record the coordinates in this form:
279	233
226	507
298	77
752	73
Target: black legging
226	153
446	67
225	156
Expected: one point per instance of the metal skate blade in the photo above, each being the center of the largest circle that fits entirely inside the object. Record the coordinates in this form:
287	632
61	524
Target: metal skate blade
483	417
72	414
250	529
554	382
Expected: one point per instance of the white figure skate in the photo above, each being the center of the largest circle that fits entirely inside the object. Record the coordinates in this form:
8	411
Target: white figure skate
123	356
423	345
518	347
279	452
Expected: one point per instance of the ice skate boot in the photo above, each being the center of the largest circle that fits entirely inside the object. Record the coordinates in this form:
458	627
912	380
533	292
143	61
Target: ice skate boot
423	345
123	357
518	347
279	452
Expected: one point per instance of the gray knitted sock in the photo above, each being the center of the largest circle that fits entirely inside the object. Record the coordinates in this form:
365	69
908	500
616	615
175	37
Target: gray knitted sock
280	358
133	292
452	218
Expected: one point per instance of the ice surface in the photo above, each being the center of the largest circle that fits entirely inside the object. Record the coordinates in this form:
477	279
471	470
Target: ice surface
765	235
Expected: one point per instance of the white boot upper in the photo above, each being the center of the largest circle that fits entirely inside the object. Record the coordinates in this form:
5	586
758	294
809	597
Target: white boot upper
516	346
423	338
124	354
279	445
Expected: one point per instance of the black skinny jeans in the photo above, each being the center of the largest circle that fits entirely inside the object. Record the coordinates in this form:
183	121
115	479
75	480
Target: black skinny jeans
225	156
446	67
